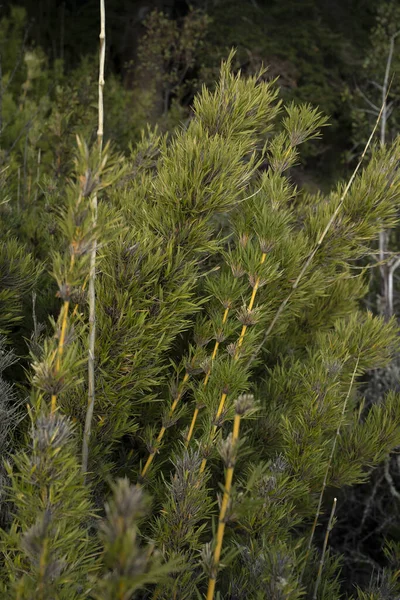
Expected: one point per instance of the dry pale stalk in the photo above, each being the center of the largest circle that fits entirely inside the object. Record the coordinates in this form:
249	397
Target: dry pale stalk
322	559
387	268
92	273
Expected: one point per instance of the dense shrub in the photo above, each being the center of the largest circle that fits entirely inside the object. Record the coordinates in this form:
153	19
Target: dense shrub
230	352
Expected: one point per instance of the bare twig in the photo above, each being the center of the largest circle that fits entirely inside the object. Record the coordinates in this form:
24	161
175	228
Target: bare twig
322	559
369	503
375	84
385	271
368	101
395	264
395	493
385	87
382	526
92	274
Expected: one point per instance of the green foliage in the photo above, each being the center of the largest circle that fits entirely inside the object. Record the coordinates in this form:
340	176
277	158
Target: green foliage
216	276
46	550
127	565
9	405
18	274
167	59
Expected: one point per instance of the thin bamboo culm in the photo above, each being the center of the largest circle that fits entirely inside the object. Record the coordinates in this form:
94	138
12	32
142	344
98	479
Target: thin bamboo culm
63	334
174	405
236	357
206	378
92	273
223	510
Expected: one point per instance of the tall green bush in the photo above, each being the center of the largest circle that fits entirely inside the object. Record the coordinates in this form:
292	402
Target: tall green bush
230	346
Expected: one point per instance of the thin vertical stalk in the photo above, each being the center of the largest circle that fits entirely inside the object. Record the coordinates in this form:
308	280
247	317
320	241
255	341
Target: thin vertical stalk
236	357
322	559
328	468
92	272
222	514
385	87
163	429
205	382
63	333
385	268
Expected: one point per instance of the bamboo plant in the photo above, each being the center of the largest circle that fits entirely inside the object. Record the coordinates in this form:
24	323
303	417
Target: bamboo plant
217	280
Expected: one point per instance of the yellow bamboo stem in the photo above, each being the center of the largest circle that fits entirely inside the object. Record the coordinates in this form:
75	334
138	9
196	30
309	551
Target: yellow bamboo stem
250	307
162	431
205	382
191	428
53	404
62	334
222	514
60	349
236	357
61	341
160	436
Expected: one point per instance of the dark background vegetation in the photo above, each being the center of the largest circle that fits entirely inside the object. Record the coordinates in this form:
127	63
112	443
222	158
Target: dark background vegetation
317	48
